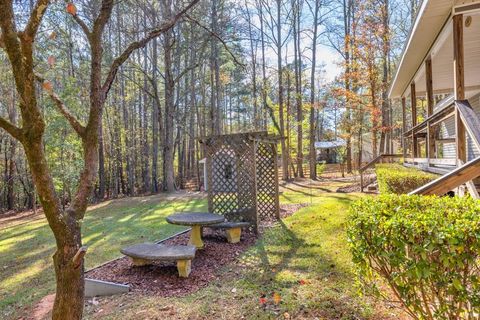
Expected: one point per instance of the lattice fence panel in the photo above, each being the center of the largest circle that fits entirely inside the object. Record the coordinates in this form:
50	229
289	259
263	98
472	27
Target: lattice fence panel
242	179
231	174
267	183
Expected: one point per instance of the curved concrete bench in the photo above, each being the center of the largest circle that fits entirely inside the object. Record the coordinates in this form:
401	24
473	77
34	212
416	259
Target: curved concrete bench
145	253
232	229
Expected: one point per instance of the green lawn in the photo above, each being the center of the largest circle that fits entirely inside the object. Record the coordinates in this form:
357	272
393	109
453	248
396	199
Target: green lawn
26	247
303	261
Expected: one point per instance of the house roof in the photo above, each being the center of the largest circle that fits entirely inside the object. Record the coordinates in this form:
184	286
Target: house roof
430	20
330	144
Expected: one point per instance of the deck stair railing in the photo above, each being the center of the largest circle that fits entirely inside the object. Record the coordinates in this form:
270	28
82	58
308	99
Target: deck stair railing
379	159
465	172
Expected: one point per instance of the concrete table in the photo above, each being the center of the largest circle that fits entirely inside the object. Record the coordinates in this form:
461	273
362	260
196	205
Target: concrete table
196	220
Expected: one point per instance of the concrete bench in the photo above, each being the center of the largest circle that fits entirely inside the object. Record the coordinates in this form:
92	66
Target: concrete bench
145	253
232	229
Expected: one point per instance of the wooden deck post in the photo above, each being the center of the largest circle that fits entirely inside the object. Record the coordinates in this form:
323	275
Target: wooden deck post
459	85
430	103
429	86
413	97
404	126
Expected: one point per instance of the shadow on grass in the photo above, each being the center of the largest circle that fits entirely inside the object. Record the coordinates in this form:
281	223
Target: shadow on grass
312	186
27	270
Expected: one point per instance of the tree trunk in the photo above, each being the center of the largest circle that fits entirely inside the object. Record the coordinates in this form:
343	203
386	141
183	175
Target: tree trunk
155	118
312	151
298	85
280	92
70	289
168	147
101	167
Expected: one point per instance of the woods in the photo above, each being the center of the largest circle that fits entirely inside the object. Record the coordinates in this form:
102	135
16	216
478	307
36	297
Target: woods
217	71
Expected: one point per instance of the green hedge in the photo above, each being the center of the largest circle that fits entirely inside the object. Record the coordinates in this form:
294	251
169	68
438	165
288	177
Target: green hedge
395	178
425	248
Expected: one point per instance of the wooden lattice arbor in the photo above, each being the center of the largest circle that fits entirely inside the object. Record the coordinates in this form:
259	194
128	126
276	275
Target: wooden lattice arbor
242	176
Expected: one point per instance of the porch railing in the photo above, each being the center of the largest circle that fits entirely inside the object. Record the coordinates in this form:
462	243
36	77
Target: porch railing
465	172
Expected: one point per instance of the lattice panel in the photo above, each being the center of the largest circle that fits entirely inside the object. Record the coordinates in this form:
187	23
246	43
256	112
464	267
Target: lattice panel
231	175
242	179
267	183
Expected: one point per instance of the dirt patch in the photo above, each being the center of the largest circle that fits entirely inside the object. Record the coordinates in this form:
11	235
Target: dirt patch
162	278
42	309
10	218
287	210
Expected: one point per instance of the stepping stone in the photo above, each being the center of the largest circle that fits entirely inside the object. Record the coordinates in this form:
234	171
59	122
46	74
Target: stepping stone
146	253
232	229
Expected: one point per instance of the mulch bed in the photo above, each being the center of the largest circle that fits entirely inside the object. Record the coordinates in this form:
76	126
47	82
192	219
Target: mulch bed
161	278
354	187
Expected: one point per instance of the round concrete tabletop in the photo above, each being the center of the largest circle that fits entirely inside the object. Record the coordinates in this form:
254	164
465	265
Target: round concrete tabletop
195	218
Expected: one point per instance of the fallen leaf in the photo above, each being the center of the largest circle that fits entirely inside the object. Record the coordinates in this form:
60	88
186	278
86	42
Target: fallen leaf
234	290
286	315
277	298
263	300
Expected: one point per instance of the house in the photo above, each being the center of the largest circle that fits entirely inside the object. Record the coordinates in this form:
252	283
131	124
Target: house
329	151
440	64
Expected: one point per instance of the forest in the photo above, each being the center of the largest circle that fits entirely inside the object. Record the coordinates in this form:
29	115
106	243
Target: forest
221	67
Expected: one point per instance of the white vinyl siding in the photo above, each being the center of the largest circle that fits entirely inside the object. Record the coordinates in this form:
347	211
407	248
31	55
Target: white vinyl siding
447	131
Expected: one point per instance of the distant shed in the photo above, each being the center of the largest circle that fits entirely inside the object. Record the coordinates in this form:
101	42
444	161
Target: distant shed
329	151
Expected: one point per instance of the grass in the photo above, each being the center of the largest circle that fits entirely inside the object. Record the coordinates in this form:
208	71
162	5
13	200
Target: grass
26	246
302	263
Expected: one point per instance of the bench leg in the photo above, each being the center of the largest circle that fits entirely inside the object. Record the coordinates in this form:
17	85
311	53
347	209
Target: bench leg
233	235
184	267
196	237
140	262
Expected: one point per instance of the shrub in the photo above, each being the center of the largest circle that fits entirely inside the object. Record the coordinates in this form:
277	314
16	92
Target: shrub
321	168
395	178
425	248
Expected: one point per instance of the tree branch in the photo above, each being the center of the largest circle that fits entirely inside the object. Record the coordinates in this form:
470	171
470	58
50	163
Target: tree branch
165	26
103	17
35	19
216	36
11	44
189	68
82	25
76	125
13	130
